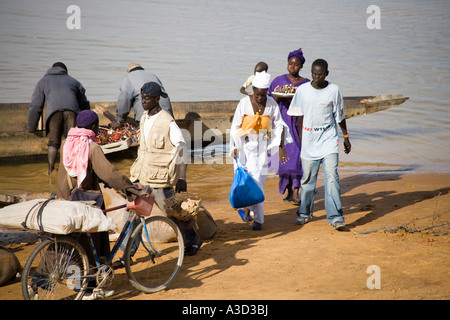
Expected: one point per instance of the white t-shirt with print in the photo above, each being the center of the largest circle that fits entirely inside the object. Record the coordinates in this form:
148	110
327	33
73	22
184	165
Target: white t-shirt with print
322	110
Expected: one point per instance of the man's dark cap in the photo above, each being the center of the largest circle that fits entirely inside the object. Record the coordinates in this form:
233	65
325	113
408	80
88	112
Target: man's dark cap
153	89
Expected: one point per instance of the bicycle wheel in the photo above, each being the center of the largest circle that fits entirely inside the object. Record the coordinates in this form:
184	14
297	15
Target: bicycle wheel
55	270
159	255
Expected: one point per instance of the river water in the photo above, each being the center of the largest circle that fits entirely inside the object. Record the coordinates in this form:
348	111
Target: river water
204	50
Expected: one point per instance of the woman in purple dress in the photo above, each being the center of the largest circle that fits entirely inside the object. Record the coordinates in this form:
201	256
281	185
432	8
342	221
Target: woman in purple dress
290	173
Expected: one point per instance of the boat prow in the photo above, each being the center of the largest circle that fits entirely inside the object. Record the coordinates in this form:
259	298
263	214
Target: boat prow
359	106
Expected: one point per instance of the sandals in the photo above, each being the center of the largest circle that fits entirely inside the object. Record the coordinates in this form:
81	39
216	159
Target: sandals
193	249
289	198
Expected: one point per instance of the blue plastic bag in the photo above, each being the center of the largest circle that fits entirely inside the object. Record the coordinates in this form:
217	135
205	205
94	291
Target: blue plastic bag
244	190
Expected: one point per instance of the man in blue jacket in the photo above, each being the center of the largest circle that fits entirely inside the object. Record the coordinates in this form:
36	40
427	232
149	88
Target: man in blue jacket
130	94
64	97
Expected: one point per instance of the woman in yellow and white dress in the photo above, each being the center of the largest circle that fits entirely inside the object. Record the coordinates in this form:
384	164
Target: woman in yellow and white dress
257	138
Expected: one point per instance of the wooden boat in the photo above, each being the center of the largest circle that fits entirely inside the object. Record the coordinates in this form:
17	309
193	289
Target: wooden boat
202	122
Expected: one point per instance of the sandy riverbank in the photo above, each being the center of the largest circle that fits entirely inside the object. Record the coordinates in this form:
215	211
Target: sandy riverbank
285	261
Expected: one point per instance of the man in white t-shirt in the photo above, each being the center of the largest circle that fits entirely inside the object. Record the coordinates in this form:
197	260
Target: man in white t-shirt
320	108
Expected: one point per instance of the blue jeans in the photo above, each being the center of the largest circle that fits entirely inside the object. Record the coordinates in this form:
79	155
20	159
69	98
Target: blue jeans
333	205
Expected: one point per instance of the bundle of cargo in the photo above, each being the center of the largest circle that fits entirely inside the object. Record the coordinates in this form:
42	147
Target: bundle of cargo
112	140
55	216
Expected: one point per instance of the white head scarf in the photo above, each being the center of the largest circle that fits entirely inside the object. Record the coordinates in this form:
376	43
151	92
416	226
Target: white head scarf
261	80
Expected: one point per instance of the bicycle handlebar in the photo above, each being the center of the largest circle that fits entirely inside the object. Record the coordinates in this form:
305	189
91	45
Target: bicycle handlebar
140	191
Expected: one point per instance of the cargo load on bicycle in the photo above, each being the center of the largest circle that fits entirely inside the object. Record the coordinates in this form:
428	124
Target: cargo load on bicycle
59	267
55	216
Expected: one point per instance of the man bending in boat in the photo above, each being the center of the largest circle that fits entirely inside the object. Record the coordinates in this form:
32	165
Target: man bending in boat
64	97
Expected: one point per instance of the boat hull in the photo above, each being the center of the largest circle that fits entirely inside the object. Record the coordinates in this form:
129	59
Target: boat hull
201	122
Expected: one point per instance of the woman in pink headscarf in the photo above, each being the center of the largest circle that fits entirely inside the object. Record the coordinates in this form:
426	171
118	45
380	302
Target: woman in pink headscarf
84	163
83	160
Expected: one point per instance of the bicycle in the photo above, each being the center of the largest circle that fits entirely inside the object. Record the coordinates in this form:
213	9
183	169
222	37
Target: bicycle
58	268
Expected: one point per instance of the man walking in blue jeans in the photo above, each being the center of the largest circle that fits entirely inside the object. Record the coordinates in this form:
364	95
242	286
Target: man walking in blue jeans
320	108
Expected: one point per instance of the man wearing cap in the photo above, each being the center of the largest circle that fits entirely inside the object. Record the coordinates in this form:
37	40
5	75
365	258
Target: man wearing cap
130	94
255	142
161	160
63	97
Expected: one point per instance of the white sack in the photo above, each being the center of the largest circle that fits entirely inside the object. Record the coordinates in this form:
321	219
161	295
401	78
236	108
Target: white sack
58	216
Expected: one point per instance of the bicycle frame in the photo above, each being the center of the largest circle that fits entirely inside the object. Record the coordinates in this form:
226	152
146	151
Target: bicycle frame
123	233
119	241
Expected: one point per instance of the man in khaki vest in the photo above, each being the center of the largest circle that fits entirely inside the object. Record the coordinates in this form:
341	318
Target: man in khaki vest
160	161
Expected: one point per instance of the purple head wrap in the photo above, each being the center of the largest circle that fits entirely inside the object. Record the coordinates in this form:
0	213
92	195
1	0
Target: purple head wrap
298	54
86	118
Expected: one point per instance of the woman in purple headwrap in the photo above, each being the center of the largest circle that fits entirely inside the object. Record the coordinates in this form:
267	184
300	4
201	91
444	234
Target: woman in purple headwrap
290	173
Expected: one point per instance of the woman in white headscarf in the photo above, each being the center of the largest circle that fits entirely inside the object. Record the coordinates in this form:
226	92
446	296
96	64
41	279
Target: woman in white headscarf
257	138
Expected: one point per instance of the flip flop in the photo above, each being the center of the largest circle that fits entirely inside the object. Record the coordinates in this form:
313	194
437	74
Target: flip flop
194	249
243	216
